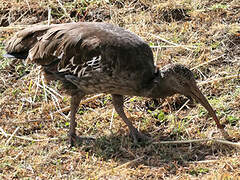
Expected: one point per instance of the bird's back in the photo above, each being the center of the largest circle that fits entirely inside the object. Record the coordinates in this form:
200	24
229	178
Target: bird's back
95	57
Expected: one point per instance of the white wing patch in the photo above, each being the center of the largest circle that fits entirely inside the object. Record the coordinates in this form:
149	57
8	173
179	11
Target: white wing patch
71	60
85	69
94	62
93	65
67	68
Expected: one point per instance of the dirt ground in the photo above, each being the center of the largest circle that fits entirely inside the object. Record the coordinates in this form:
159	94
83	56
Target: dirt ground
34	114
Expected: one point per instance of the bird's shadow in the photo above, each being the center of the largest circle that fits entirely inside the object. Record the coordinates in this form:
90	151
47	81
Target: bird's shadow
122	149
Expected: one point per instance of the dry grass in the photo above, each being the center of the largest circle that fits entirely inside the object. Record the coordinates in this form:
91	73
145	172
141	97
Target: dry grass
204	35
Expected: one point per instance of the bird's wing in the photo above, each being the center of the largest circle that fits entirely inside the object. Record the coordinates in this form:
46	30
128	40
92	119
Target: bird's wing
20	44
86	47
70	43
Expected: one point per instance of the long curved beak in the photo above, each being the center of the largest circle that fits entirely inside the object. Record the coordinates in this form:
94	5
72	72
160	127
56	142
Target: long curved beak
199	97
196	94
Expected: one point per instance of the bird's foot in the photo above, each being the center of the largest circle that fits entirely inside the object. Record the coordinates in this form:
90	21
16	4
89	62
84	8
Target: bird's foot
222	133
225	134
77	140
73	140
140	137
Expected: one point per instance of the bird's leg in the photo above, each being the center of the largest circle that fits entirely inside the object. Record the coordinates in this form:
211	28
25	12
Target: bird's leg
118	105
75	101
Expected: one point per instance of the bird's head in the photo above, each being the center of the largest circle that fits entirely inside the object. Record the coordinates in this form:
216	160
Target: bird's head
178	79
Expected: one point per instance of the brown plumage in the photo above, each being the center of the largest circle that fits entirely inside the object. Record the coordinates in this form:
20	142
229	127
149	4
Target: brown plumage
91	58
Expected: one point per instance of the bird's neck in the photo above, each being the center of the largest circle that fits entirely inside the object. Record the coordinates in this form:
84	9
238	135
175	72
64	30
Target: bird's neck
158	88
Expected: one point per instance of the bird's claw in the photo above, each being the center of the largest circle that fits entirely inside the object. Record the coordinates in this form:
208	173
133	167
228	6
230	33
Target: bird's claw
77	140
221	132
73	139
140	137
225	134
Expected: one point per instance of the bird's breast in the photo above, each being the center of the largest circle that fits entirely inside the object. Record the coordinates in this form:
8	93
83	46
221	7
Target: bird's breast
102	82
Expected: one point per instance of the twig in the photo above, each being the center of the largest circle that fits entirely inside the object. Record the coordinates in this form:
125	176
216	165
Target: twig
21	16
217	79
201	73
17	155
36	90
57	106
182	106
52	92
175	46
49	15
237	145
13	27
65	11
63	110
82	102
201	162
92	98
169	42
3	132
22	122
30	139
156	58
202	64
128	163
9	139
44	88
29	8
20	26
111	122
119	167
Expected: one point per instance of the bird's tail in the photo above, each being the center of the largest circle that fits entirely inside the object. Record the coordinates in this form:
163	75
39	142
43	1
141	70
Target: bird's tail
23	55
21	43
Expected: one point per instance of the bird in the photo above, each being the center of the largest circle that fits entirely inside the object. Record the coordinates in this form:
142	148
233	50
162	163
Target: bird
98	57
